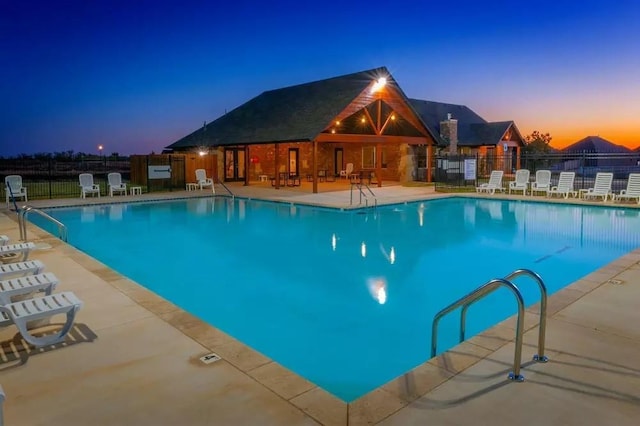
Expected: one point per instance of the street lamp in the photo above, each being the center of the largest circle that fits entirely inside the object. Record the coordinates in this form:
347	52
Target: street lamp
100	147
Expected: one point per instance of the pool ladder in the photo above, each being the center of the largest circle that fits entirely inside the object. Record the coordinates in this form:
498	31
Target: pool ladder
485	290
362	194
22	222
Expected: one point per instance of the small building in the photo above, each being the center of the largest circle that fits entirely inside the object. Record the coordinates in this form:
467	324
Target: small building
317	129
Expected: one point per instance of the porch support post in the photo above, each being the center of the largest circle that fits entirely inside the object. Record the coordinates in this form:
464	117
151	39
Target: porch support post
518	152
379	164
429	161
246	165
314	166
276	161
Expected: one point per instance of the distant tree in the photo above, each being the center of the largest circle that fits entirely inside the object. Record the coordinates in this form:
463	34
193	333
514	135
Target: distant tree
42	155
537	143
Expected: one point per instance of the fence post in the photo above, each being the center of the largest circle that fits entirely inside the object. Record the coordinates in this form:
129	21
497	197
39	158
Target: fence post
50	178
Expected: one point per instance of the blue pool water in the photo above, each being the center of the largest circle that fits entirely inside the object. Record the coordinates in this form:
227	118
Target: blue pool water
346	299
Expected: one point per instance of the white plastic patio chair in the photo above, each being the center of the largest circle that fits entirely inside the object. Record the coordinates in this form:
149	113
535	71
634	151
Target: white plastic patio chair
633	189
87	186
601	187
542	182
115	184
347	171
25	311
13	186
565	185
495	183
203	181
521	183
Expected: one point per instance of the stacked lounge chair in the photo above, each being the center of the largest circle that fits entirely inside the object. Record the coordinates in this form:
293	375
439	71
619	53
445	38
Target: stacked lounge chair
21	280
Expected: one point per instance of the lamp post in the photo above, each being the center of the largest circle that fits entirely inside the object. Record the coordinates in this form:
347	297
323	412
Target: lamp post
100	148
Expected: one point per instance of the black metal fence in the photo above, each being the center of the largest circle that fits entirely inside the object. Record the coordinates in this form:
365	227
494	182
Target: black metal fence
467	172
58	178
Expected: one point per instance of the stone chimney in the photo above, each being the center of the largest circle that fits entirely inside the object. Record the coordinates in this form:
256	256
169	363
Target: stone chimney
449	132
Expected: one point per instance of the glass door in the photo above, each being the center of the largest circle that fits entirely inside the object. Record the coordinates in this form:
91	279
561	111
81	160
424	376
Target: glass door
234	169
338	160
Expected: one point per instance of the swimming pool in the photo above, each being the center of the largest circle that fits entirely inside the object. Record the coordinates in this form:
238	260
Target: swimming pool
346	299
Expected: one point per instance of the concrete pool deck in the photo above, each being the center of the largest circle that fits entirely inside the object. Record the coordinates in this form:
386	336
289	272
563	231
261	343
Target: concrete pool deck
133	358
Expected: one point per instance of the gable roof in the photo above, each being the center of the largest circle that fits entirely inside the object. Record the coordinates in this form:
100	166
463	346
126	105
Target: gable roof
595	144
300	113
294	113
473	130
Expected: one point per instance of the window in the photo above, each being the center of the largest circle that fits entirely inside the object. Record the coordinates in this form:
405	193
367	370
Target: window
369	157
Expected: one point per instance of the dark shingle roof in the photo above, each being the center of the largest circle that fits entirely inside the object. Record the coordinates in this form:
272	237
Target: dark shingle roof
473	130
295	113
595	144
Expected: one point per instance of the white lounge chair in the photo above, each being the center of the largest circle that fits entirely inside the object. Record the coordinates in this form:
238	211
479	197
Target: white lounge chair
116	184
347	171
87	186
20	268
23	312
4	240
13	186
601	187
565	185
521	183
633	189
23	286
542	182
495	183
203	181
10	253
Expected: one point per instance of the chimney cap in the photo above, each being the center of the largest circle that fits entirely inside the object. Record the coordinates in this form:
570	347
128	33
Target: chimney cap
448	116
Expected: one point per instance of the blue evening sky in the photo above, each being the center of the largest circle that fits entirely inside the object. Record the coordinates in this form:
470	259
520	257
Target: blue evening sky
136	76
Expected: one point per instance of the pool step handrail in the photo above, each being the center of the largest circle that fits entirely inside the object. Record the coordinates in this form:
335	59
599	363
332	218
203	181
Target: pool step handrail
227	188
476	295
22	222
362	194
542	325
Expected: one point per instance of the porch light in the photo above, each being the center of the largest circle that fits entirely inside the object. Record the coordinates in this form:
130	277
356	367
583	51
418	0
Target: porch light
333	130
338	123
379	84
393	117
363	120
202	153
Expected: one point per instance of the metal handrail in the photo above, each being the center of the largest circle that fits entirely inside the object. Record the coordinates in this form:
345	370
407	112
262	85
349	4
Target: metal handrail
22	222
472	297
542	326
362	194
228	190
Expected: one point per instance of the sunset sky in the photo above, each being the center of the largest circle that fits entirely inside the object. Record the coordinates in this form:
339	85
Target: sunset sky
135	76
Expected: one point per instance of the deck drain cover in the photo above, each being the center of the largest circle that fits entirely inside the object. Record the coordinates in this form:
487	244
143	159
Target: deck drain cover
615	282
208	359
